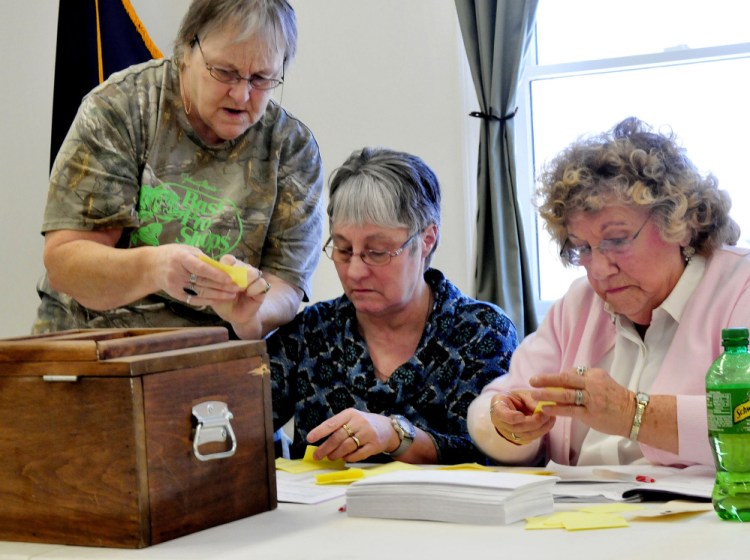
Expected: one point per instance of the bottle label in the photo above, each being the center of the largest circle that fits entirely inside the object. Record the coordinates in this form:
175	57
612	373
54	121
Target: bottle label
728	410
742	411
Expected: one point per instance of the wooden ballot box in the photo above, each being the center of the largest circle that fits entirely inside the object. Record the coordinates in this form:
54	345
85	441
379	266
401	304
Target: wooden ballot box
128	438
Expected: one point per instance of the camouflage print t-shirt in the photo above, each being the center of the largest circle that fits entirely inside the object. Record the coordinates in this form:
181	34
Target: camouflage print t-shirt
131	160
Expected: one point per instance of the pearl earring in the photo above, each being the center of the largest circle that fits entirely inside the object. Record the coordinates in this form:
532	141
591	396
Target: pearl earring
687	253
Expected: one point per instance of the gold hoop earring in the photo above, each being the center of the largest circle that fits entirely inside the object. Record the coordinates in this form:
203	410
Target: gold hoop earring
185	105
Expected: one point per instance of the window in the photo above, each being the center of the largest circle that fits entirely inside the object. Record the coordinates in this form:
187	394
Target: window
678	65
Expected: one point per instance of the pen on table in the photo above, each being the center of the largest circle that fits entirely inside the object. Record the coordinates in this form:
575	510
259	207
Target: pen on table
615	475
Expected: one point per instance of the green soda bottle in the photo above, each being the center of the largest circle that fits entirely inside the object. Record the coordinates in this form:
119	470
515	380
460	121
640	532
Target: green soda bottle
728	406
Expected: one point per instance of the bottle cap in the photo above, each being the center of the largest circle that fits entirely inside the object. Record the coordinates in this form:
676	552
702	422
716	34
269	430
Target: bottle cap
735	337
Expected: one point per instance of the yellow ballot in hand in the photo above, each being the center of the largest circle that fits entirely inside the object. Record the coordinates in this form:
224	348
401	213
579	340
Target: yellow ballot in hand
237	273
541	404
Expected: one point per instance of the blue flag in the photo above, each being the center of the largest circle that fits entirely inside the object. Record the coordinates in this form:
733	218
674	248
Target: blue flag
94	39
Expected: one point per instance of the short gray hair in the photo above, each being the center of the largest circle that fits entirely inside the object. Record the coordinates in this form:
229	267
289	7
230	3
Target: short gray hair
274	20
385	188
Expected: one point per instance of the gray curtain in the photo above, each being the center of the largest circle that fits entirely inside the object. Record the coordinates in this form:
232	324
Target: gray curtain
496	35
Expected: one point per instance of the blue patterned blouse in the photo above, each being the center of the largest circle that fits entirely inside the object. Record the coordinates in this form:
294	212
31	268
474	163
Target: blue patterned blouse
320	366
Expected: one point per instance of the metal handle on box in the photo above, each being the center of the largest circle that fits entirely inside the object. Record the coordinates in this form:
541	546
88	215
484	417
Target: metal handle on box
213	426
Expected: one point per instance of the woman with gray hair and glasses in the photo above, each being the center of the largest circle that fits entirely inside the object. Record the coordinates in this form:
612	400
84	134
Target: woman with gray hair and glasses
178	160
615	374
390	367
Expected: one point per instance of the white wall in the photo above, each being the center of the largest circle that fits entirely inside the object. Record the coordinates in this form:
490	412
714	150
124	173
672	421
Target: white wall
368	72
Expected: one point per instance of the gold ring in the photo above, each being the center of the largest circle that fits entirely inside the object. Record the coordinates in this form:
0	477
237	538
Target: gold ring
348	430
580	370
515	436
579	397
356	440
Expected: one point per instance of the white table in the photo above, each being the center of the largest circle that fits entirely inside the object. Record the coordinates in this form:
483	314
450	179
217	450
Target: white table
321	531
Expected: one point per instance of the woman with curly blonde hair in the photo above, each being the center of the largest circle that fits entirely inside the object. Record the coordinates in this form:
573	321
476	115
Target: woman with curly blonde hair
616	372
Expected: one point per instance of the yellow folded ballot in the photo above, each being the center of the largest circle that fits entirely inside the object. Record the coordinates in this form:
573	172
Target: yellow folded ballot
577	521
465	467
541	404
237	273
308	463
356	473
325	462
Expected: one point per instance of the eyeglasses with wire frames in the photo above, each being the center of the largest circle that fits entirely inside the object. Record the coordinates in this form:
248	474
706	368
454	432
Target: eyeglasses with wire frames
581	255
369	257
232	77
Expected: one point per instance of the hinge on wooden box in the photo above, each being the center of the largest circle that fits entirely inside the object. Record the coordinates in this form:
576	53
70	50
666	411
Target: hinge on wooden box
60	378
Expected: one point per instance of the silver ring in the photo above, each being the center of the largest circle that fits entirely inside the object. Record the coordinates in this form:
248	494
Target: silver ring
188	299
579	397
267	288
356	440
580	370
515	436
193	278
190	290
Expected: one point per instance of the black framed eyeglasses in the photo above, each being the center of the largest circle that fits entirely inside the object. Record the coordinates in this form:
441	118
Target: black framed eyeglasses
232	77
581	255
371	258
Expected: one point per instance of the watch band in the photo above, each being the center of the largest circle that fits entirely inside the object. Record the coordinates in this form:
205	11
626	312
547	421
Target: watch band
406	434
641	402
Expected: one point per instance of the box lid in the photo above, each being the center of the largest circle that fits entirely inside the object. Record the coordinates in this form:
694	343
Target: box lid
120	352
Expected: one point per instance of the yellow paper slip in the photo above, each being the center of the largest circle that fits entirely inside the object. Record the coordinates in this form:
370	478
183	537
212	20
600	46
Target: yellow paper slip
340	477
465	467
541	404
355	473
295	466
237	272
577	521
325	463
674	509
308	463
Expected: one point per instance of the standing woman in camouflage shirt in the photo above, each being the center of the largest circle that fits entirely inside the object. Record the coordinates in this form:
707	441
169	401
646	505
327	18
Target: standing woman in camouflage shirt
179	158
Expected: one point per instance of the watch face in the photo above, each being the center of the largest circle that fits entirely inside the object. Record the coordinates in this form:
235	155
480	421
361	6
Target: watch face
407	427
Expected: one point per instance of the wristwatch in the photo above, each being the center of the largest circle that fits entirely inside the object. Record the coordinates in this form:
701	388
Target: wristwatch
641	402
406	433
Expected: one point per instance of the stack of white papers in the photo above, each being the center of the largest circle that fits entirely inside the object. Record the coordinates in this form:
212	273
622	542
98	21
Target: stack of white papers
478	497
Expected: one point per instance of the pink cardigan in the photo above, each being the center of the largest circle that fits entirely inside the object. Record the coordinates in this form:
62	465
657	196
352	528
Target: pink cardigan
577	330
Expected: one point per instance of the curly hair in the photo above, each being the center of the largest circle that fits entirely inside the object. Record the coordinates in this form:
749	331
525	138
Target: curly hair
632	165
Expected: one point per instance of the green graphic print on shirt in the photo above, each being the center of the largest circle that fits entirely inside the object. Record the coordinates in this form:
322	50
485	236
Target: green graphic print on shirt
190	214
